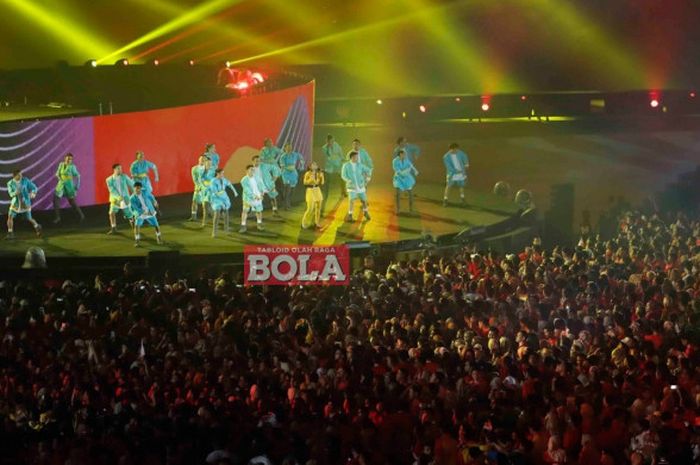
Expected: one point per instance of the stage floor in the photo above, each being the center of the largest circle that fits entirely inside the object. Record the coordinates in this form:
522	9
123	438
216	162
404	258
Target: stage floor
430	217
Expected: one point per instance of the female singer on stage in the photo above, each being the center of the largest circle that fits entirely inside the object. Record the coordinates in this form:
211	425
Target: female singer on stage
313	180
404	179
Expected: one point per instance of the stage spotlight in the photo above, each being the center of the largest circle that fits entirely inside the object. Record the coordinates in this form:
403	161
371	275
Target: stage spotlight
257	77
122	62
692	94
155	62
91	63
191	62
403	115
228	64
241	85
653	103
523	97
379	101
457	99
485	106
422	108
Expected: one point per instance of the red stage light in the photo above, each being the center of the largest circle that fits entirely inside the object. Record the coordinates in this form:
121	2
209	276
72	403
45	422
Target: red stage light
422	108
692	94
485	102
241	85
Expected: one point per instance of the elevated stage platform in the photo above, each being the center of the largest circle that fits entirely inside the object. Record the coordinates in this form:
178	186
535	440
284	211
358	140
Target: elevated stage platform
89	245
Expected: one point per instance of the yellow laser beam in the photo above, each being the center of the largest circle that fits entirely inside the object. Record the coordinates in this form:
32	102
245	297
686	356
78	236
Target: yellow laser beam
335	37
188	17
461	54
63	28
602	49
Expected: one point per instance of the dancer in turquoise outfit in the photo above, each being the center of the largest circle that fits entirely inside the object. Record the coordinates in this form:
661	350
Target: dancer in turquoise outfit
266	174
404	179
356	176
206	180
456	166
334	159
290	163
412	150
198	172
270	153
143	206
22	191
139	171
252	198
67	186
202	174
210	153
219	200
120	187
362	155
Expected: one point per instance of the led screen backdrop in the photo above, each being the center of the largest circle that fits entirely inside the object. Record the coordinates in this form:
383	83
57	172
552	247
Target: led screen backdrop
172	138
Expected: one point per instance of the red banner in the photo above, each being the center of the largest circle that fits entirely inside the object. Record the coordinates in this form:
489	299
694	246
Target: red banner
282	265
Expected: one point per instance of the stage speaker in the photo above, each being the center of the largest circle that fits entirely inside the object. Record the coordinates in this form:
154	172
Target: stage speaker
163	260
559	218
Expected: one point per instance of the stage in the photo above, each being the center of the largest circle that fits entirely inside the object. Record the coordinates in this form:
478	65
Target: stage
69	239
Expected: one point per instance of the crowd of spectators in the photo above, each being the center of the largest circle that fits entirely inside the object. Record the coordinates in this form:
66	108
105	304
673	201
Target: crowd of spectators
582	355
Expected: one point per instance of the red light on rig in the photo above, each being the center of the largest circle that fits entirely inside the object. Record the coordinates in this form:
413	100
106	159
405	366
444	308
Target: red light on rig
241	85
654	99
692	94
423	108
523	97
485	102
